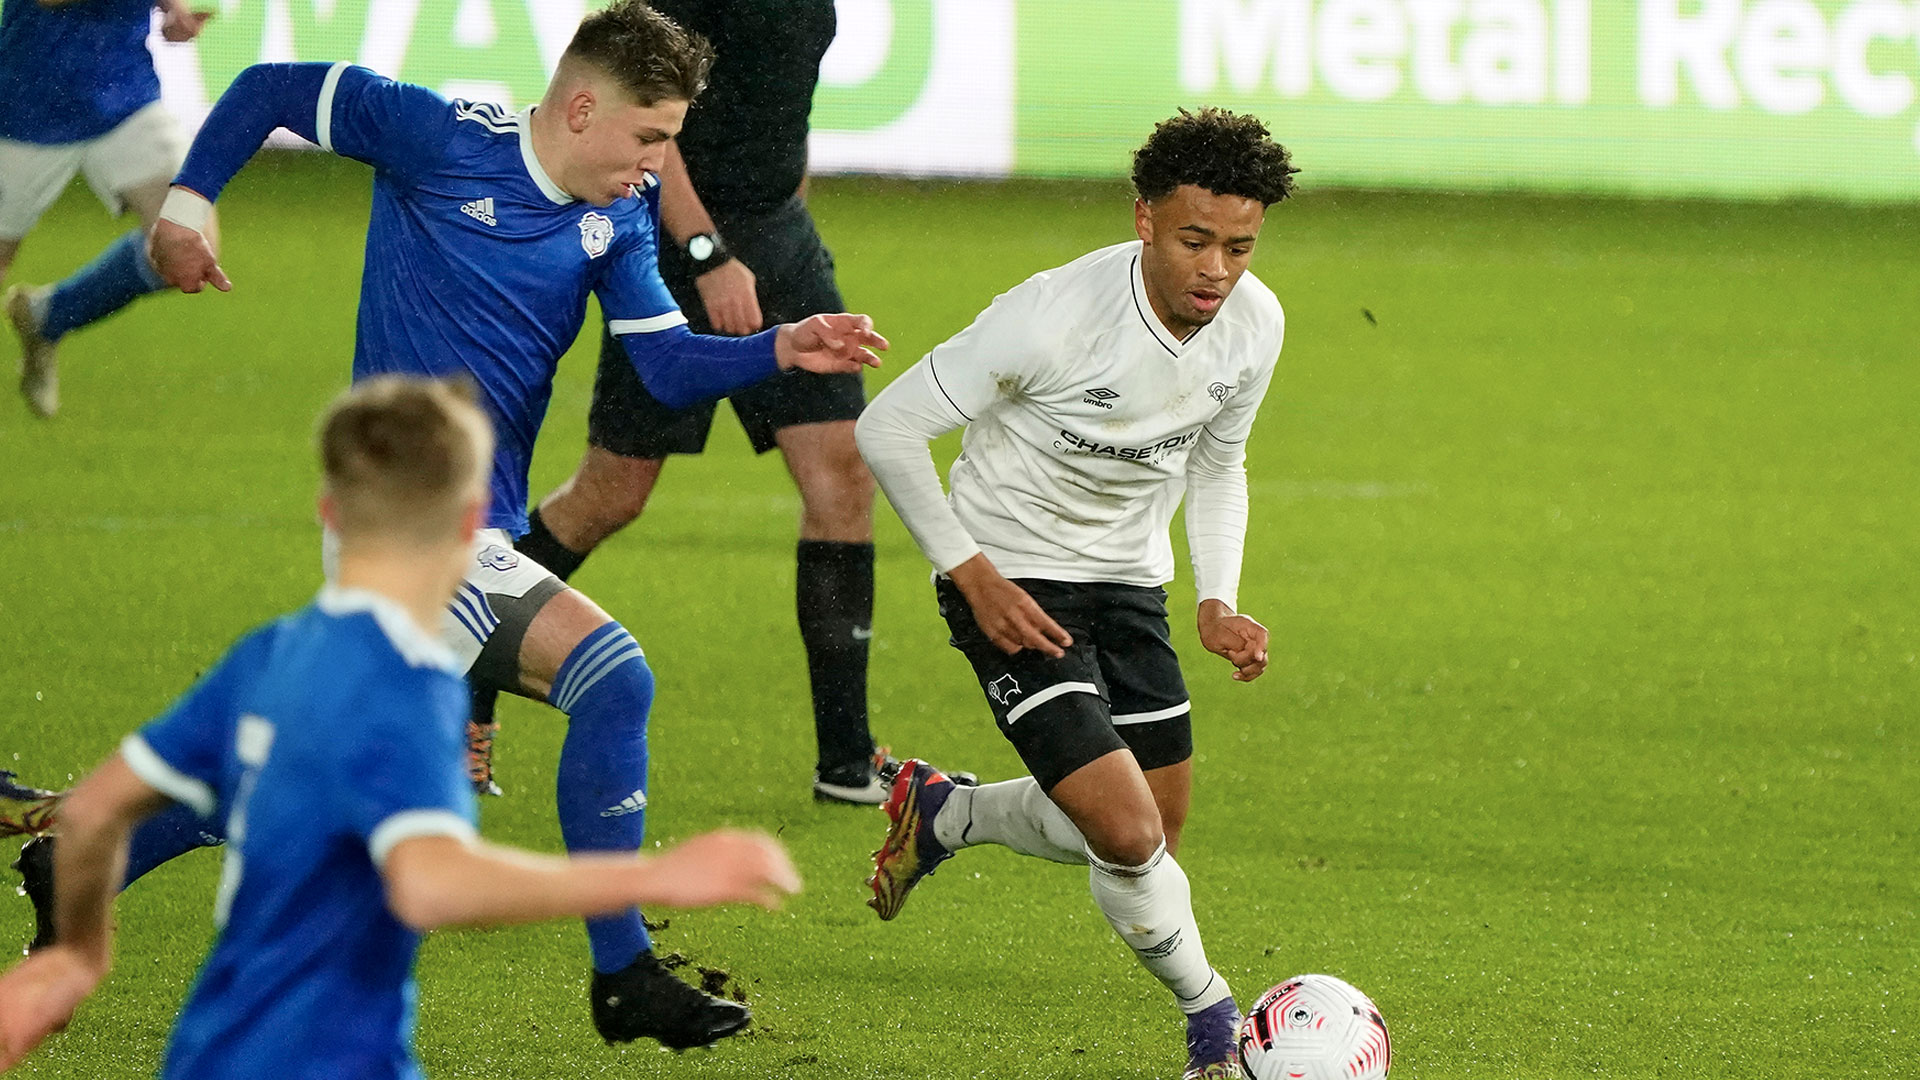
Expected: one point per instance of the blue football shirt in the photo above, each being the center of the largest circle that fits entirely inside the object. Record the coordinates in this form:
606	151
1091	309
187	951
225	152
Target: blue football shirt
75	71
478	263
322	740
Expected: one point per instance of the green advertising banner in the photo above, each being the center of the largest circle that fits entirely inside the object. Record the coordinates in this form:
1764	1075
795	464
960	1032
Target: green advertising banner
1741	98
1727	97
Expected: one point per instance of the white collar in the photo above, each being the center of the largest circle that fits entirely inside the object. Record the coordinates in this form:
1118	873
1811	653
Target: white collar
1145	306
415	645
524	121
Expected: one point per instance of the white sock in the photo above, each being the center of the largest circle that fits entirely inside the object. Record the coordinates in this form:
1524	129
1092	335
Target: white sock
1012	813
1151	907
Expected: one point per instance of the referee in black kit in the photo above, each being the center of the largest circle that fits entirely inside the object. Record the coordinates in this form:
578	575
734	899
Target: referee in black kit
744	255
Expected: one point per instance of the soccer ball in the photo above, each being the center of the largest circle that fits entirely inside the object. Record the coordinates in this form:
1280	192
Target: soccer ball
1314	1027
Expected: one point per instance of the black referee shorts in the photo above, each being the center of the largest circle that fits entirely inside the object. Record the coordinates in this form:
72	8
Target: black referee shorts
794	278
1119	686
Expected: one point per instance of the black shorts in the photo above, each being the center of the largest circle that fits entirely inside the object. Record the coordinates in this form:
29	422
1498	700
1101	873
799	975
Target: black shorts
1118	687
794	277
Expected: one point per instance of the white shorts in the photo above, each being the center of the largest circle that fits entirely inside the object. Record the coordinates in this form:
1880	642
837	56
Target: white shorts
144	147
497	577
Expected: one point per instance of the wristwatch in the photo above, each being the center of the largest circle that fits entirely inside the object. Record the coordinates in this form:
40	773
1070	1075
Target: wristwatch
706	252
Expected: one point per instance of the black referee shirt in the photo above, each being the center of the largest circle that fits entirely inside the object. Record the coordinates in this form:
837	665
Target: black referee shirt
745	141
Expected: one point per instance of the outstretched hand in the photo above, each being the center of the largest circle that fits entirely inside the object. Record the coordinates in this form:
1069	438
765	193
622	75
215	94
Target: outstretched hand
726	866
39	996
829	344
184	259
1238	638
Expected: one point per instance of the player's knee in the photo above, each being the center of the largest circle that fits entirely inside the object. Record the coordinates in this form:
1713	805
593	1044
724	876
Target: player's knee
606	679
598	509
1127	843
634	678
839	495
617	505
609	490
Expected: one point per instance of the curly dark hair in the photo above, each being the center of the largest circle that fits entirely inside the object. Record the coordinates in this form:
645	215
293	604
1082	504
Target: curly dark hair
1224	152
652	57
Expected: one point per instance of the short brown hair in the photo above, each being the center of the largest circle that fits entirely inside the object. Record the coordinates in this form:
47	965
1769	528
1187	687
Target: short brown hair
403	456
1224	152
653	58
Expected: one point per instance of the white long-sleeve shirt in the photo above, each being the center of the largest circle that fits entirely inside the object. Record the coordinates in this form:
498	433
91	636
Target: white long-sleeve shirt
1086	420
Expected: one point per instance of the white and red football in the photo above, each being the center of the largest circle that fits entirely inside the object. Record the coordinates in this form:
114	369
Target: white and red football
1314	1027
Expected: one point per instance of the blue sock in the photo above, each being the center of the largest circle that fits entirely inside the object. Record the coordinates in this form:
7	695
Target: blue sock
606	690
167	835
117	278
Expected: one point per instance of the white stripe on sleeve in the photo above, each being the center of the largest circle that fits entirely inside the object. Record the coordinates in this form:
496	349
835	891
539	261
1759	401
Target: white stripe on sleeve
323	114
408	824
164	778
650	325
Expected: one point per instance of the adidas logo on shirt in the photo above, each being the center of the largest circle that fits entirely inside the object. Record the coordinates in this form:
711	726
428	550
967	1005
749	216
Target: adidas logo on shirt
632	804
481	210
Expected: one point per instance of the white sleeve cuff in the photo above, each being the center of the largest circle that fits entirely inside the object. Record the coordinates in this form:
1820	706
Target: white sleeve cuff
323	109
408	824
164	778
186	208
652	324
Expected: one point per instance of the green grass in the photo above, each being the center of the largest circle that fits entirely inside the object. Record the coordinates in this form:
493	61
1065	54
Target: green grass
1588	745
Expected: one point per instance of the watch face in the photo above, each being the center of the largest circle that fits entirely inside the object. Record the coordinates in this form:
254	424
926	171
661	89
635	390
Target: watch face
700	247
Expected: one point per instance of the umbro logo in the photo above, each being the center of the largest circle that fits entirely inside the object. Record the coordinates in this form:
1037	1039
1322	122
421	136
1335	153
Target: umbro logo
481	210
1161	950
632	804
1101	396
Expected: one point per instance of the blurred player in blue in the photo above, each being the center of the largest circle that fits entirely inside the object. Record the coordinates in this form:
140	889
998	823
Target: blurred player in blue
78	94
332	744
488	231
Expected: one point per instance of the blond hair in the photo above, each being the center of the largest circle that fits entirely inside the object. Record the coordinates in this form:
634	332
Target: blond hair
404	457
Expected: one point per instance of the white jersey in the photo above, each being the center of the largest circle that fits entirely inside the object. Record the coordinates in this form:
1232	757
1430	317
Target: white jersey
1086	420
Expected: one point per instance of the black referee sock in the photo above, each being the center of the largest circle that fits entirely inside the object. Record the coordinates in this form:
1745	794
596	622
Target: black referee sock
481	702
543	547
834	595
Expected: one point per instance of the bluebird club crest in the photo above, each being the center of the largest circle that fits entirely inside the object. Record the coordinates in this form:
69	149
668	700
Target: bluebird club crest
495	557
596	232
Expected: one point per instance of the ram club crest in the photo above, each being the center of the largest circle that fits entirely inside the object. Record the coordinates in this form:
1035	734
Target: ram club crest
596	232
1002	689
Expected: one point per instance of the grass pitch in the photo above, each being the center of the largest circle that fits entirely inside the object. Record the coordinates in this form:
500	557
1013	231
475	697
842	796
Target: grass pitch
1585	531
